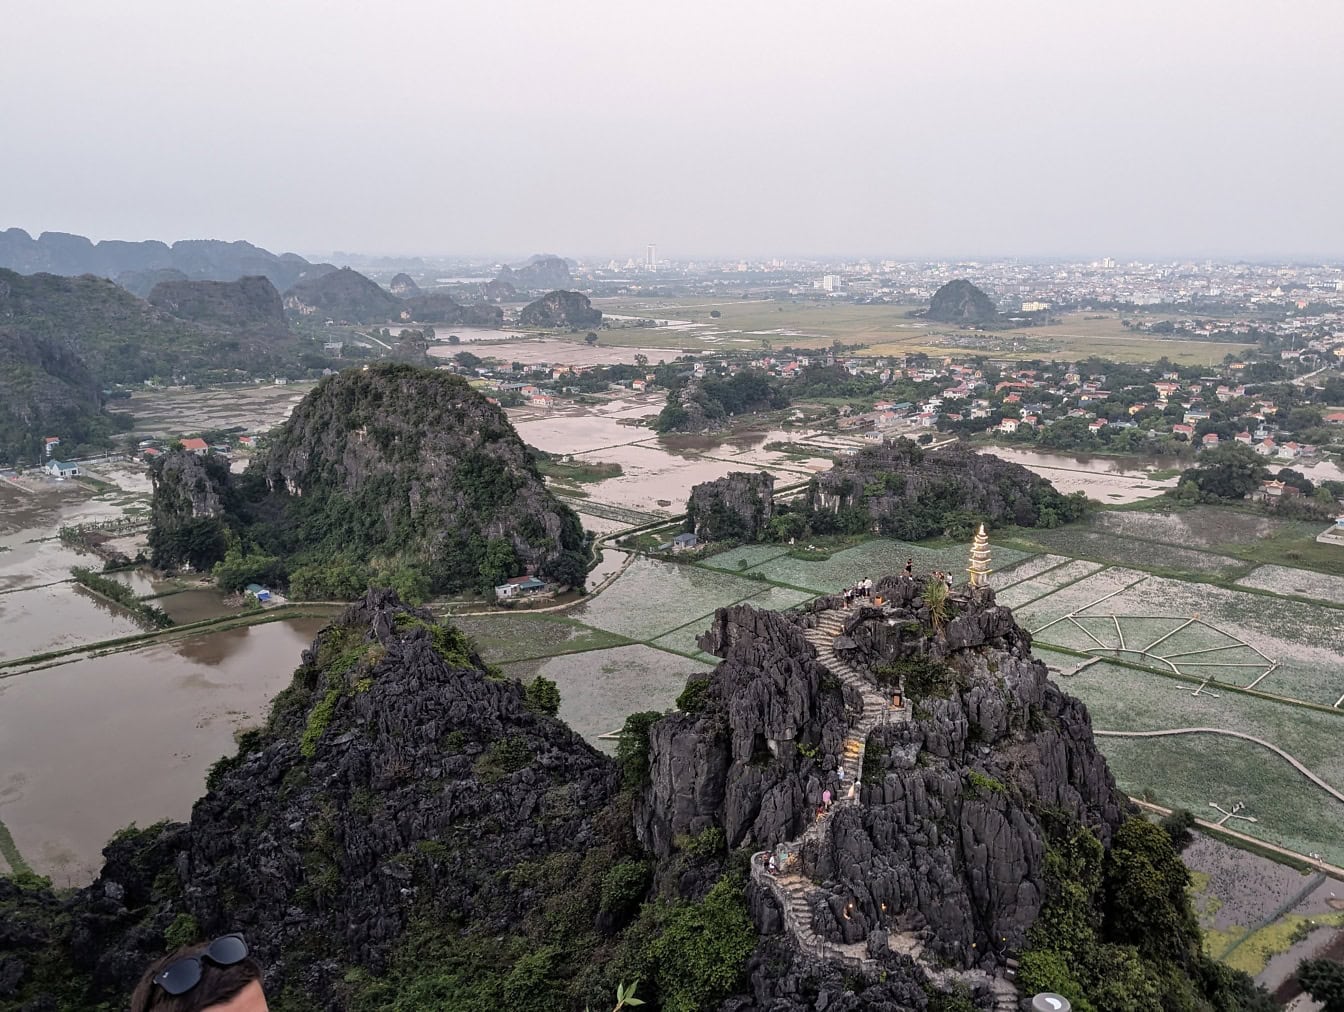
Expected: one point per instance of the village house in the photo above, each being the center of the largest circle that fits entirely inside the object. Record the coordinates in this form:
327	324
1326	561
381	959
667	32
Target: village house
1210	439
1180	429
196	445
685	542
519	586
57	469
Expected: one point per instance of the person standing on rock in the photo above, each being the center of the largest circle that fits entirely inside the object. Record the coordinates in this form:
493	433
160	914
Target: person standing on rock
910	566
826	799
216	976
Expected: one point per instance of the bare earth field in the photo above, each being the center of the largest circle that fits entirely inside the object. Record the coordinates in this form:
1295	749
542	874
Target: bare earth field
169	413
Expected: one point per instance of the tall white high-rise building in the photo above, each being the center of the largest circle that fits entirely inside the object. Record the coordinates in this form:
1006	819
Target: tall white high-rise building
650	257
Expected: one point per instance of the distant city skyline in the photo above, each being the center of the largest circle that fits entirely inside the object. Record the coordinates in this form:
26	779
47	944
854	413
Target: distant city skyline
1042	129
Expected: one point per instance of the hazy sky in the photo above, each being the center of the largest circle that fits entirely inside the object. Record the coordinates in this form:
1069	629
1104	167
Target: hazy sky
732	127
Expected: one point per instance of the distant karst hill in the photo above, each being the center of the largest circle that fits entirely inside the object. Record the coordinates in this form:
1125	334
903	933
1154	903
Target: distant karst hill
249	304
121	338
46	389
140	265
561	311
405	465
961	302
403	285
345	296
540	273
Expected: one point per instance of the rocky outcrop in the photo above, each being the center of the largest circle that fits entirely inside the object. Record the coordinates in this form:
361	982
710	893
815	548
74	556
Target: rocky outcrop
736	507
540	273
736	761
344	296
561	310
961	302
189	511
247	305
946	844
912	493
415	462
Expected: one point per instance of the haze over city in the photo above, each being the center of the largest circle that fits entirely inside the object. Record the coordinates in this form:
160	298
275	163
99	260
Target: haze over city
892	129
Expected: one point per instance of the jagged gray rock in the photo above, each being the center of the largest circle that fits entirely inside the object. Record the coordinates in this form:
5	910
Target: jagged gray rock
736	507
944	854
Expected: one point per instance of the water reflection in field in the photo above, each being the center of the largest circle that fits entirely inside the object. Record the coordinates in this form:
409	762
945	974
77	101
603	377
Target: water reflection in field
88	747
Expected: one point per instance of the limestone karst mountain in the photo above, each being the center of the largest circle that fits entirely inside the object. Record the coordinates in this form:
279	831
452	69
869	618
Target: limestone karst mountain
413	830
960	301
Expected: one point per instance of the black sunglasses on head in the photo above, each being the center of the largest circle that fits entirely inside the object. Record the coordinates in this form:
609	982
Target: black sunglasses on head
181	975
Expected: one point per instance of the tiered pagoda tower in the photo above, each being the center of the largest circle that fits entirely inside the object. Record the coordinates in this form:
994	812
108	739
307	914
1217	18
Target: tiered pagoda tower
979	567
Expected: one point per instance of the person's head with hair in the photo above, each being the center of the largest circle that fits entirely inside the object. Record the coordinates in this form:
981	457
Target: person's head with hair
216	976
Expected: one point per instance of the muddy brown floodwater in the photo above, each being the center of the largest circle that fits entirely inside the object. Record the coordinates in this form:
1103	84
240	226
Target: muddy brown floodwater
52	618
89	747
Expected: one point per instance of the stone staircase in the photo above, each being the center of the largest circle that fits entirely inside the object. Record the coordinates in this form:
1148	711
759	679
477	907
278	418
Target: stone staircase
877	708
796	895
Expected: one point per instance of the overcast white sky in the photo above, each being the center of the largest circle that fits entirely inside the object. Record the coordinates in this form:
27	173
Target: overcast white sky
731	127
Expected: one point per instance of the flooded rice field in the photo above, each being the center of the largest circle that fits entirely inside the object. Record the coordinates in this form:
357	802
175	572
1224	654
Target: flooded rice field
58	616
90	746
599	689
555	351
167	414
195	605
1113	480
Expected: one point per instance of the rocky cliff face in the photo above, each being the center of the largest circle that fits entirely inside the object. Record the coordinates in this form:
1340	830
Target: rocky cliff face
720	765
247	305
193	497
345	296
560	311
961	302
736	507
949	839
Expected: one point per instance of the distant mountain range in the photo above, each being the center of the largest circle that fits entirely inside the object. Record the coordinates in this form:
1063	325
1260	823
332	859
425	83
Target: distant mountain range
139	266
